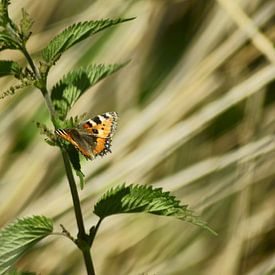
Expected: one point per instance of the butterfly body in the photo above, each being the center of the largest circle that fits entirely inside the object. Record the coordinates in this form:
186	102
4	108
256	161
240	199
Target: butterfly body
92	137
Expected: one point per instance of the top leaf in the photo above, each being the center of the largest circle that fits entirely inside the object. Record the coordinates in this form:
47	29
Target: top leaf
68	90
16	238
137	199
26	23
74	34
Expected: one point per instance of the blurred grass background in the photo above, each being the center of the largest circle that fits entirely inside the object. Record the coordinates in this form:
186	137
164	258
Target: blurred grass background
197	116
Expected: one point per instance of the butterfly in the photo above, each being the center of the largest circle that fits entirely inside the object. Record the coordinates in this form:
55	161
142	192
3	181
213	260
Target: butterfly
92	137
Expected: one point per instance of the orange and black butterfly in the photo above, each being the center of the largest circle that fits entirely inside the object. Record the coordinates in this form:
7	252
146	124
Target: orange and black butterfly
92	137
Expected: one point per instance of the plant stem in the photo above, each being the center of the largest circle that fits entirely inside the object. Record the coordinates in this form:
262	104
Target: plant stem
30	61
82	236
43	89
76	201
82	241
88	262
49	105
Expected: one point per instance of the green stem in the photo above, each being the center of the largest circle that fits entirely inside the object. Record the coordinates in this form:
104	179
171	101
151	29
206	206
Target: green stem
76	201
88	262
82	236
82	241
43	89
49	105
30	61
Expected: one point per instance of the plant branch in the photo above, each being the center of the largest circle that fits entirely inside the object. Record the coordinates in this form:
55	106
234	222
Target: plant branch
49	105
43	88
66	233
82	238
61	234
93	231
30	61
76	201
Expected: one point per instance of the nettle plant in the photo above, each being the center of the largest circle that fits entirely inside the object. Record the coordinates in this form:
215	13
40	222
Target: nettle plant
91	138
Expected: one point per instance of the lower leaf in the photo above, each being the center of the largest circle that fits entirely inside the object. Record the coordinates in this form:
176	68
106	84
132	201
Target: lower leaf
19	236
138	199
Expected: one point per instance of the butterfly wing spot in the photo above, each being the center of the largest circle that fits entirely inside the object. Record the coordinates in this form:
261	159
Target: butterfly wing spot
89	123
102	126
97	120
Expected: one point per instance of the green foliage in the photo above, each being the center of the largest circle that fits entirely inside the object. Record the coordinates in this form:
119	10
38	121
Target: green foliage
24	75
146	199
7	42
8	67
17	237
4	12
74	34
25	26
75	161
68	90
8	36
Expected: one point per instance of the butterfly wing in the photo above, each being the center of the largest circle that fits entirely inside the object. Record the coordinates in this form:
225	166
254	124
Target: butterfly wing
77	140
98	146
101	126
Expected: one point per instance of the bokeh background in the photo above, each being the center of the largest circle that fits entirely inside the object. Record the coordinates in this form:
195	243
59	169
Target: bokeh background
197	117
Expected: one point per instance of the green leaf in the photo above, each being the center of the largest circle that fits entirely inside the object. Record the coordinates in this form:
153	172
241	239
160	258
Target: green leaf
75	161
74	34
146	199
81	177
25	25
19	236
64	100
9	68
7	42
67	91
8	30
4	16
